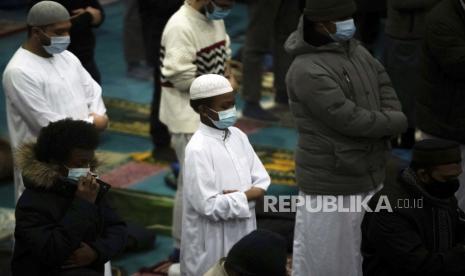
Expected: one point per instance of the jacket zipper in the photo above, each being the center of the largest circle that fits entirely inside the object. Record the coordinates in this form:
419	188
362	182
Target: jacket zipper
349	83
412	22
435	247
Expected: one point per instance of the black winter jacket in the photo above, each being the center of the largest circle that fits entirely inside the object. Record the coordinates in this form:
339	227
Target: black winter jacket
426	239
441	100
51	222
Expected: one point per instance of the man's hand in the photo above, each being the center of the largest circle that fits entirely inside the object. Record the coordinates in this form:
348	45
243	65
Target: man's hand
83	256
100	122
254	194
87	188
233	82
77	12
96	15
225	192
230	76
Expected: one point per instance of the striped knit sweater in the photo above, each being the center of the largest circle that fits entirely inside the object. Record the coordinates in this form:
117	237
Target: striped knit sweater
191	46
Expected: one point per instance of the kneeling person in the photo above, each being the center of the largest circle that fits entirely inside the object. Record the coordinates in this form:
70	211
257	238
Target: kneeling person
223	179
63	225
425	232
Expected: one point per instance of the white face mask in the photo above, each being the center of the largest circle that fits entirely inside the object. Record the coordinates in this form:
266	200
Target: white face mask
58	44
76	173
345	30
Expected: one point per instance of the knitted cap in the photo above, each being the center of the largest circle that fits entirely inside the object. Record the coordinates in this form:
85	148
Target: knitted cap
260	253
434	152
209	85
46	13
329	10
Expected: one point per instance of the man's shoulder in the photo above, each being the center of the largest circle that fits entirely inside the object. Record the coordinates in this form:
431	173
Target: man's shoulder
196	144
178	21
20	62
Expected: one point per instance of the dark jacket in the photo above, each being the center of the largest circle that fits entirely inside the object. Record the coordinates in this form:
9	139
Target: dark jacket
423	241
345	109
82	34
441	100
369	6
51	222
406	18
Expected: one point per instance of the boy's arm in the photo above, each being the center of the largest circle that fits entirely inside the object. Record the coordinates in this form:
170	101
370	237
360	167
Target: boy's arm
259	176
203	195
114	237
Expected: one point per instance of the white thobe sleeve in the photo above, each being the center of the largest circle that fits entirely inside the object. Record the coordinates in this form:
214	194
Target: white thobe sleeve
203	194
260	177
26	94
93	93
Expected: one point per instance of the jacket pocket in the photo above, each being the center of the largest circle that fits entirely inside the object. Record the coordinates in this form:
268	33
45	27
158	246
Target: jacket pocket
352	159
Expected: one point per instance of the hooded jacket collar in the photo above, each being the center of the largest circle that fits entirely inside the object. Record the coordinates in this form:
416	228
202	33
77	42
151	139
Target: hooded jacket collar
296	45
37	174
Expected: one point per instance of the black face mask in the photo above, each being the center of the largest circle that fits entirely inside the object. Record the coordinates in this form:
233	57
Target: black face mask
441	189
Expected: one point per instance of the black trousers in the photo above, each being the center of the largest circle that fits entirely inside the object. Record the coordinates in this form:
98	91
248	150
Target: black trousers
154	15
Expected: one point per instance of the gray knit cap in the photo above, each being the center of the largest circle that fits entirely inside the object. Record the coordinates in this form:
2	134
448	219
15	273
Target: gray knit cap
46	13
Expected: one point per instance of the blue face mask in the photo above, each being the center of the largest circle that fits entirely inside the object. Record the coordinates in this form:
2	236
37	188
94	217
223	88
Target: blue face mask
218	13
227	118
345	30
58	44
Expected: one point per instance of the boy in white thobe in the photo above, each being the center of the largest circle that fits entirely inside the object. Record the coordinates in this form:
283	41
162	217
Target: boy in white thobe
225	177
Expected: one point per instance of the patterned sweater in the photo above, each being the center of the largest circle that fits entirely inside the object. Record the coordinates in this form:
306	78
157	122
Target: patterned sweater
191	46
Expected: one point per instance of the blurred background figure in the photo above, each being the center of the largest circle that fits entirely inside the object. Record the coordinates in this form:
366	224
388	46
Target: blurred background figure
154	15
135	56
405	29
271	23
440	102
369	21
85	16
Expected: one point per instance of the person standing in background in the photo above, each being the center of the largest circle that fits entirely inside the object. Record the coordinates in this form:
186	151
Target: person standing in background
44	83
137	63
405	29
441	98
85	16
271	23
154	15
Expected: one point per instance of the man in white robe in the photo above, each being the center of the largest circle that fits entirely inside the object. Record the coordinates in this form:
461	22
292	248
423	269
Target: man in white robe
225	178
44	83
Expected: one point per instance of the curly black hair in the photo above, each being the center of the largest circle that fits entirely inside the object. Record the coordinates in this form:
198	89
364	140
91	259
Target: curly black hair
58	139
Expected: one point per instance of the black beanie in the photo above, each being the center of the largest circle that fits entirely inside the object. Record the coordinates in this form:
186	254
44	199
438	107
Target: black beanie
260	253
329	10
434	152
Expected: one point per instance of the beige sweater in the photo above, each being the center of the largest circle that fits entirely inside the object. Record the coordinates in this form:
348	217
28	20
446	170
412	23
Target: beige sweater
191	46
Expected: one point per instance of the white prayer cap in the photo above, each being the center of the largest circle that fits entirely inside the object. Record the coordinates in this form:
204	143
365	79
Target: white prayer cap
209	85
46	13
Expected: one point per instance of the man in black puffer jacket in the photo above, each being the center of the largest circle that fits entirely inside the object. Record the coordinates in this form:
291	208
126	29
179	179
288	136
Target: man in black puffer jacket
423	232
63	223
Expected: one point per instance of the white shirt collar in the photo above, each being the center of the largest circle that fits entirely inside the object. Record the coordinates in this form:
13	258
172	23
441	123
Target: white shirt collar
213	132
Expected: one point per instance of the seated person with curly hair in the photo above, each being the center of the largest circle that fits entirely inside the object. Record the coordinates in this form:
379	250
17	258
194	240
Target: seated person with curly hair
63	224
